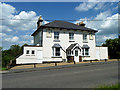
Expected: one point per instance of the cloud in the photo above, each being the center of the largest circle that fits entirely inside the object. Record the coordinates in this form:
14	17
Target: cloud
15	26
85	6
17	21
45	22
105	23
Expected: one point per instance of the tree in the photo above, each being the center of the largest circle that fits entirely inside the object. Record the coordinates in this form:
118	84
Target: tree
23	47
15	50
113	48
11	54
0	48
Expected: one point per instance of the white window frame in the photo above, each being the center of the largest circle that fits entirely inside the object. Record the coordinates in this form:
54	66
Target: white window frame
28	52
55	52
56	36
85	38
32	51
71	36
84	52
87	52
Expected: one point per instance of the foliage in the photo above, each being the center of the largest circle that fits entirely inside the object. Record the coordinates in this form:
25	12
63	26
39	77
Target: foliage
109	87
113	48
11	54
3	69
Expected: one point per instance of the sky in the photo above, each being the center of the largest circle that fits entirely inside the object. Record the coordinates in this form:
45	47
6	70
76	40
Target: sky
19	19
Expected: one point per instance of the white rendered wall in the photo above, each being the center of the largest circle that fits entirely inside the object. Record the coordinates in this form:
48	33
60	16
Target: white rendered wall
37	38
64	42
29	58
101	53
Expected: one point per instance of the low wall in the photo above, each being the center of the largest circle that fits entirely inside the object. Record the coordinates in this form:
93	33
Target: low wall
101	53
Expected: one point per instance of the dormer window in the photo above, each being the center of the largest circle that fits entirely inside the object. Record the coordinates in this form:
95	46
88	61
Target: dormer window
56	35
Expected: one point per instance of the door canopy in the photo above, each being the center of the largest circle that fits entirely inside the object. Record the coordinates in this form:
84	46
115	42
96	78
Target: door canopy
73	47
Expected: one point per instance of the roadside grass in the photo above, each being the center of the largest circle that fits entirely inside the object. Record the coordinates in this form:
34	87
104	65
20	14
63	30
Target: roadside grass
109	87
4	69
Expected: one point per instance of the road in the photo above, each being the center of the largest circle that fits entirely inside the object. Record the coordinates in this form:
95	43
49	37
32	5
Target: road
75	77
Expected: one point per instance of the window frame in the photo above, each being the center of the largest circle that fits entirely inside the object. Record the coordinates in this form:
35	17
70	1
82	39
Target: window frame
55	52
85	39
56	35
84	52
32	52
87	52
27	52
71	36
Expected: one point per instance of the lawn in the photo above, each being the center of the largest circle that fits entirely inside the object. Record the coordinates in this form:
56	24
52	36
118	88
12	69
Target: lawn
4	69
109	87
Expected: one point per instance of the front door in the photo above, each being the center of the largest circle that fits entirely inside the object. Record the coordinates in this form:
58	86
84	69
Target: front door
76	57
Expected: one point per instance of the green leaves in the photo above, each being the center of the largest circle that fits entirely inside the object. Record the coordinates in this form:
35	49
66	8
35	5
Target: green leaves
113	48
12	53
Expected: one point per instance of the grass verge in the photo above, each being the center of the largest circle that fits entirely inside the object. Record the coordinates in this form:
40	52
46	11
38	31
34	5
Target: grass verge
109	87
4	69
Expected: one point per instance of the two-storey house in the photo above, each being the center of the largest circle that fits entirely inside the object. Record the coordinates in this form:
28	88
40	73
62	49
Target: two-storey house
62	41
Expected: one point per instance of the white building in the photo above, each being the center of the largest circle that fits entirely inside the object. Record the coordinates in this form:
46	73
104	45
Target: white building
62	41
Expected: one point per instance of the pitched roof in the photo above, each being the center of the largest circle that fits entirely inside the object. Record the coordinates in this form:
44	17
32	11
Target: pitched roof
64	25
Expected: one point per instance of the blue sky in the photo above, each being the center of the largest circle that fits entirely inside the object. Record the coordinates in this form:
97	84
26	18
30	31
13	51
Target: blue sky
16	31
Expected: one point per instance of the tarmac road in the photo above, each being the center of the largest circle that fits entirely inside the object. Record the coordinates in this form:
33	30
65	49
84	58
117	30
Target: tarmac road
90	76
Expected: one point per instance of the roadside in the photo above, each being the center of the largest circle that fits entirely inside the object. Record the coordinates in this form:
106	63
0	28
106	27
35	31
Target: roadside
40	67
53	64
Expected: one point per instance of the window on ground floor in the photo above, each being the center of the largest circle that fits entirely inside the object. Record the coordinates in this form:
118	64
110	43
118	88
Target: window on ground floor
85	51
56	51
33	52
27	52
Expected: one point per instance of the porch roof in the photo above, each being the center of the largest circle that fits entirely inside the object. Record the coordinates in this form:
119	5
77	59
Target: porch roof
56	46
71	46
85	46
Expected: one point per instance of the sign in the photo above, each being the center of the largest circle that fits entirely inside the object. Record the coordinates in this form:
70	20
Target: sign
91	37
48	34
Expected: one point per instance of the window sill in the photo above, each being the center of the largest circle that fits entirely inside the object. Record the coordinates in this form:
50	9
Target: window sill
71	40
56	40
86	56
32	55
27	55
56	56
85	41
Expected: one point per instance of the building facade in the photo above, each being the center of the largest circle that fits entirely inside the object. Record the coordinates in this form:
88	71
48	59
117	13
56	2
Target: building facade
62	41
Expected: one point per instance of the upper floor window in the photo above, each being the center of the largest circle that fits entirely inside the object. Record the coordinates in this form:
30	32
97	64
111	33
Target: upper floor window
56	35
27	52
71	36
84	37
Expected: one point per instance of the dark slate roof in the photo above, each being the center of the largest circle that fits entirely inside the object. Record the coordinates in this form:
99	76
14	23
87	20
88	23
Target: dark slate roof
71	46
85	46
56	45
64	25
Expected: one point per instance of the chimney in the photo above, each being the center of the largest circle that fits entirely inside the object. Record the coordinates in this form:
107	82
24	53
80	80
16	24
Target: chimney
81	24
39	23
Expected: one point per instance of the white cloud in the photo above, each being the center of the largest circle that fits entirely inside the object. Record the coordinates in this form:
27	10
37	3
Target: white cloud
107	26
32	41
85	6
15	23
14	39
45	22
